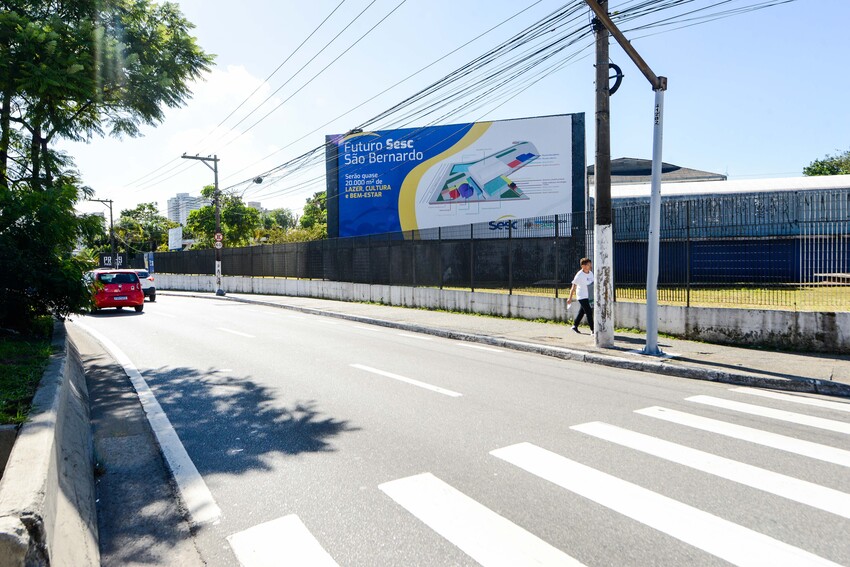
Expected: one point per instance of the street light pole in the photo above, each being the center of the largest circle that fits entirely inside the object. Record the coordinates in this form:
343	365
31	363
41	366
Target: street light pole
113	251
218	236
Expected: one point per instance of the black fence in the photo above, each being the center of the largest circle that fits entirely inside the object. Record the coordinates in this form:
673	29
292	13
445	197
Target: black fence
788	250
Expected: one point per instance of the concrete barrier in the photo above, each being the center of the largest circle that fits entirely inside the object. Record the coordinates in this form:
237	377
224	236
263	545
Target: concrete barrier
47	494
790	330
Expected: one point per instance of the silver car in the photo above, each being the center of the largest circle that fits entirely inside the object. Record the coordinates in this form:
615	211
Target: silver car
148	286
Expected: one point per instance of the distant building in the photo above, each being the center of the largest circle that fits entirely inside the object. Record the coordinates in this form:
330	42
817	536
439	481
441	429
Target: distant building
180	206
632	171
256	205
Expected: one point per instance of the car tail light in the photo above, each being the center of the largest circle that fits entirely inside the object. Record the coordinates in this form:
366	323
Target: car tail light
150	278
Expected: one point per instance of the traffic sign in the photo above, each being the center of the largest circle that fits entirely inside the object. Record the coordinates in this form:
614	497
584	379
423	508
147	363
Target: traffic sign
218	237
218	245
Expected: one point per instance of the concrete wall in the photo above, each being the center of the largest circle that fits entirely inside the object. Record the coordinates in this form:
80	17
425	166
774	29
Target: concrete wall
818	332
47	494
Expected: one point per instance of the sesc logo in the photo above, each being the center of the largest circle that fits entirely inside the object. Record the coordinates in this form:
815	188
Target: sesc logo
500	224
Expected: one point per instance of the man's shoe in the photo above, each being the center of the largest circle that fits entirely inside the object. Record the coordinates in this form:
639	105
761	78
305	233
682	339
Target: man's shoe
575	329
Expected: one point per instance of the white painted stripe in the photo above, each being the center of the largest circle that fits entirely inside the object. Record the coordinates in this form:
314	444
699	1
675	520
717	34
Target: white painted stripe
801	491
828	404
420	337
365	328
235	332
487	537
478	347
326	321
766	438
722	538
193	490
284	541
781	415
408	380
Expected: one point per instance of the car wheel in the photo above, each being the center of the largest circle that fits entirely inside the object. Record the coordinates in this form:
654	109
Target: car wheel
153	297
139	308
119	309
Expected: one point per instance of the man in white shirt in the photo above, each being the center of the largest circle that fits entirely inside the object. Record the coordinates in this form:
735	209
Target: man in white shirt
581	289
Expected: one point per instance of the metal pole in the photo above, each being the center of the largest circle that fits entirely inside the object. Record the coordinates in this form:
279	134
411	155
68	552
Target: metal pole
556	257
471	257
440	254
603	243
510	260
218	290
651	347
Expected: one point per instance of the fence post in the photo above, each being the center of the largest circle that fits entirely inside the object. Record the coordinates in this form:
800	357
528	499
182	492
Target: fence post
472	257
510	259
369	256
556	256
440	254
688	254
413	255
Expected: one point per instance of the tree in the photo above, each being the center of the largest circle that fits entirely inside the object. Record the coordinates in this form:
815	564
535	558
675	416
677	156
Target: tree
838	164
238	221
316	214
73	69
142	229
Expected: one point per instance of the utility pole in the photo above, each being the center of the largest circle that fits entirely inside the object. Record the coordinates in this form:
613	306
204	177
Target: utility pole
603	234
659	85
113	251
218	236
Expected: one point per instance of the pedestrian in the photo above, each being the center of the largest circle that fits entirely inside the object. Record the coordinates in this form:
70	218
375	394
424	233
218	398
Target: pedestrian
581	290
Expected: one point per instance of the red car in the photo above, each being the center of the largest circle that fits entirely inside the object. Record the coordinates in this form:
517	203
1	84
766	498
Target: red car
118	288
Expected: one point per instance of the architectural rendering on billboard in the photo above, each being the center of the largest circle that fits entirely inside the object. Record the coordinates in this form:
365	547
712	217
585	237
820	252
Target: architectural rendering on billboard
414	178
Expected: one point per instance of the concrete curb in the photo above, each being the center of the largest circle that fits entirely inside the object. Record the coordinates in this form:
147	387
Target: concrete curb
47	495
666	367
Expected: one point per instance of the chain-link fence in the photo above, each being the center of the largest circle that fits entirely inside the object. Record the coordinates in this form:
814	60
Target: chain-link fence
781	250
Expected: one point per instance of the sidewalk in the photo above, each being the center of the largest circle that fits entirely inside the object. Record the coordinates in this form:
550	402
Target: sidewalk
802	372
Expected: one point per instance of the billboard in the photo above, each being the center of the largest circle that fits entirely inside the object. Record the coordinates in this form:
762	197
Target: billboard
414	178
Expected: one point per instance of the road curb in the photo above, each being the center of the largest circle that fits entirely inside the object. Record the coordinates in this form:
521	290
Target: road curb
665	367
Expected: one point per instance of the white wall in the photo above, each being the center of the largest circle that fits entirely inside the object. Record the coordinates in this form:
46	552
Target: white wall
821	332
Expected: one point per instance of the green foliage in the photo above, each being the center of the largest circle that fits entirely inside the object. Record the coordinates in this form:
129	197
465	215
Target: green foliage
838	164
238	221
142	229
73	69
22	363
315	211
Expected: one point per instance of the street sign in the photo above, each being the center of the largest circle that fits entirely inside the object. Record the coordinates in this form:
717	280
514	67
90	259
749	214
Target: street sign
218	238
218	244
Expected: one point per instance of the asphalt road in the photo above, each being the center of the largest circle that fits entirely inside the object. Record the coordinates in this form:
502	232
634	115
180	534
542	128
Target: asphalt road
322	441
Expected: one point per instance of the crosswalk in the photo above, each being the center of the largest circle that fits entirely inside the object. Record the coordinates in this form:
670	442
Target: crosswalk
489	538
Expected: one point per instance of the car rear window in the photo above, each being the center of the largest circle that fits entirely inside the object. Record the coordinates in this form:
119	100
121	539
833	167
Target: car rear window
118	278
142	274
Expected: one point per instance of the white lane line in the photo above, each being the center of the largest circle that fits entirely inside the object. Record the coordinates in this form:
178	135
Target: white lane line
235	332
407	380
326	321
487	537
840	406
366	328
781	415
420	337
478	347
722	538
284	541
801	491
766	438
193	490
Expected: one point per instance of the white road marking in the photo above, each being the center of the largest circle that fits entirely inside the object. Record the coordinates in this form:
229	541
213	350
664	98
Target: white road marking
161	314
478	347
326	321
722	538
366	328
420	337
193	490
788	487
840	406
766	438
284	541
781	415
235	332
408	380
487	537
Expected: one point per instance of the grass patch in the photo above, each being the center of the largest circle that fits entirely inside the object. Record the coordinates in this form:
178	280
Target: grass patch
22	363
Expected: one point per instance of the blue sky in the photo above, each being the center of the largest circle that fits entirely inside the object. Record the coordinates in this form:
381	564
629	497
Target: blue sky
760	94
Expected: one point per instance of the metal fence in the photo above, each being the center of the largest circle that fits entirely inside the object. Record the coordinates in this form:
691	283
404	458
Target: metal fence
783	250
